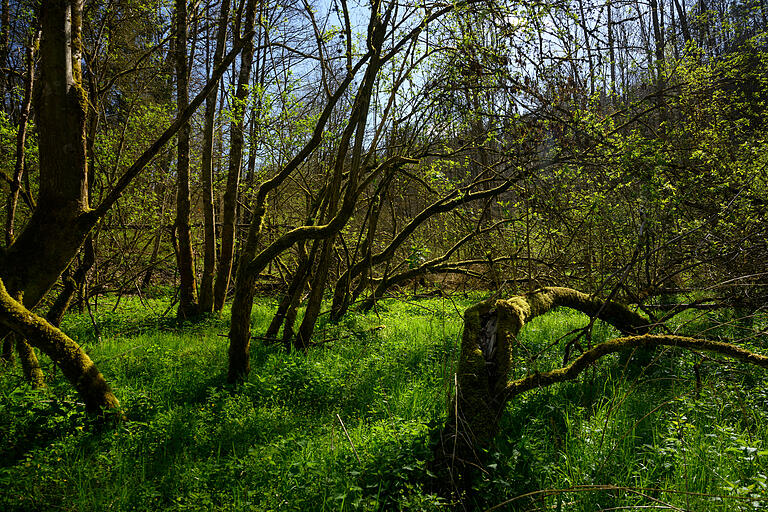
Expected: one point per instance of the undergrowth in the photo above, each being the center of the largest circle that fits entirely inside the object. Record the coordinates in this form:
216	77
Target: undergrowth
350	425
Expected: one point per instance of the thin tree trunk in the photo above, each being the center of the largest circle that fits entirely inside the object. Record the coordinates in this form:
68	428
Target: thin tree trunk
9	344
295	289
315	300
206	171
658	37
188	306
341	294
229	219
683	17
591	68
147	279
21	137
5	46
30	365
72	283
611	50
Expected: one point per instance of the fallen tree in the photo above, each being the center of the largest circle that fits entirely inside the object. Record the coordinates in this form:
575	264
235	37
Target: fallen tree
486	365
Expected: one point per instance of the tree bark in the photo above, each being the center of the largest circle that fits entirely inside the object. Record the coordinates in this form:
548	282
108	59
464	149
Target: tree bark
55	230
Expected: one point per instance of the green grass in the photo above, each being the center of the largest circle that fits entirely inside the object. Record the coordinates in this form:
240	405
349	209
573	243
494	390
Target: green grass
278	443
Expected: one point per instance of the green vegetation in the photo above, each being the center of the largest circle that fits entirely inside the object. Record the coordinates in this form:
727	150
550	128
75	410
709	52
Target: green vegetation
268	231
618	437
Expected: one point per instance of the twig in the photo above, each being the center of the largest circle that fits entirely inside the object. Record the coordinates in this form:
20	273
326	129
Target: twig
349	438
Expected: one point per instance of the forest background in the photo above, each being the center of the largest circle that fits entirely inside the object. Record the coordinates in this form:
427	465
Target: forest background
243	241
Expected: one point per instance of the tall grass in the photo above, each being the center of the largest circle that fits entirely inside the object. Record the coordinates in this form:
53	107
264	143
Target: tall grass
349	426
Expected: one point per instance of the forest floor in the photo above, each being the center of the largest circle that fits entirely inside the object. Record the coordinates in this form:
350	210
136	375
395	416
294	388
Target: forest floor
351	424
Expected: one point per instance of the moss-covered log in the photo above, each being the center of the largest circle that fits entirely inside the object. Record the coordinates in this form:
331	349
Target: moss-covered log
73	361
485	365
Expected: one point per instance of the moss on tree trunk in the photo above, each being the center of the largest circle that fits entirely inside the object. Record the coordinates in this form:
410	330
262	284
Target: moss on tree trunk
486	364
75	364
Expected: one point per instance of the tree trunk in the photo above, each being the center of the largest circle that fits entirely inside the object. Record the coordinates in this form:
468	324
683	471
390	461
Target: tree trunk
55	231
292	296
240	326
487	358
611	49
206	172
71	284
75	364
188	307
229	220
486	363
341	293
315	300
5	46
683	17
30	365
21	136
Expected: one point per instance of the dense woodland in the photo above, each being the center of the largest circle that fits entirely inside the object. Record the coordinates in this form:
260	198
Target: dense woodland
264	255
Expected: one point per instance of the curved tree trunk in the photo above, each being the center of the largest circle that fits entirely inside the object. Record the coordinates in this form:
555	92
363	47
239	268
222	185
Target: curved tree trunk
75	364
487	357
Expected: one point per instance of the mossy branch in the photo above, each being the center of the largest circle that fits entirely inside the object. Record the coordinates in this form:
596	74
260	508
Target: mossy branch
543	300
581	363
75	364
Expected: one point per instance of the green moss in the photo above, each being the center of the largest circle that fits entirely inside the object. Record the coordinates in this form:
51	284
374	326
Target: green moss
73	361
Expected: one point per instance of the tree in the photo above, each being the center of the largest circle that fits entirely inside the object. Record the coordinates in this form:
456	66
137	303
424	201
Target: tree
206	171
487	362
188	306
237	138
